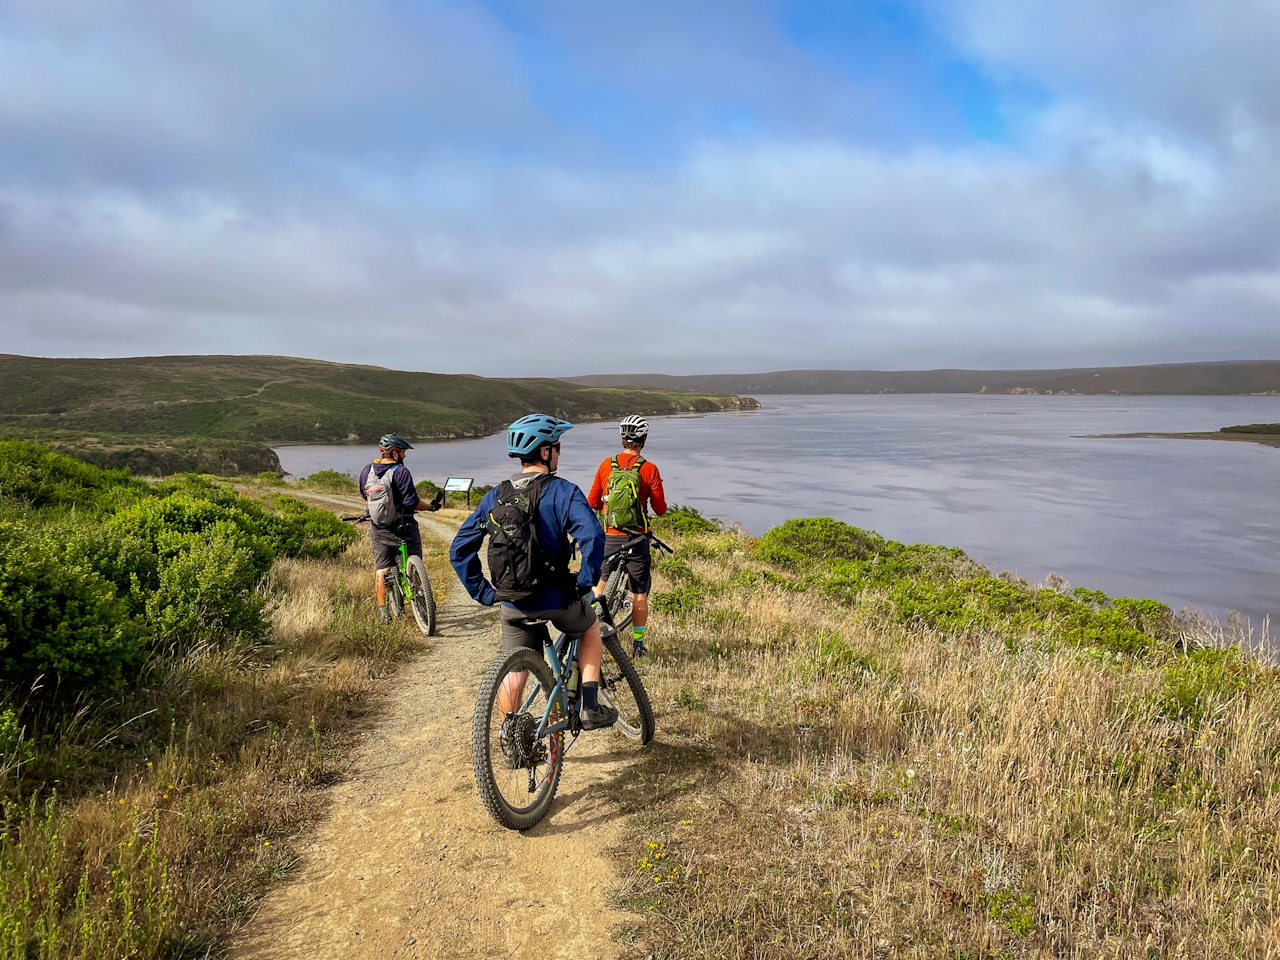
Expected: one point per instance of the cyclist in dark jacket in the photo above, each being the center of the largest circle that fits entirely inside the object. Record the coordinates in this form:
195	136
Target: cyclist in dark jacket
563	517
386	540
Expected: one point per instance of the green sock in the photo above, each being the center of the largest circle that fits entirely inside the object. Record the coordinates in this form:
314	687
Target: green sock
637	634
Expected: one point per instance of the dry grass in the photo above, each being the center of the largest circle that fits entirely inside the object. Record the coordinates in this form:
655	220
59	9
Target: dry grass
832	784
165	831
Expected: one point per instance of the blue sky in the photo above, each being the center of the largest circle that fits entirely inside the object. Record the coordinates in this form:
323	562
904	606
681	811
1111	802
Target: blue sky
515	187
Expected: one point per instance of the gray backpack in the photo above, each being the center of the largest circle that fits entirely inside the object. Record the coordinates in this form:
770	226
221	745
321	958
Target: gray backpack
381	497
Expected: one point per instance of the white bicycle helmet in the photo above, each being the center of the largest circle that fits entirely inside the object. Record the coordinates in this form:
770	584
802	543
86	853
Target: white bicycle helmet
633	427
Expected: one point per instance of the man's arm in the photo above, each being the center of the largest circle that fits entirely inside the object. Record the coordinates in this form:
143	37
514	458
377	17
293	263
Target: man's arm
409	499
464	552
583	527
596	497
657	496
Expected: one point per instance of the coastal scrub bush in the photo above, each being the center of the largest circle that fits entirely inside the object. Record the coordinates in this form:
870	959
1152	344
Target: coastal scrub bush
684	521
36	478
1192	683
940	587
207	591
331	481
59	620
804	540
114	567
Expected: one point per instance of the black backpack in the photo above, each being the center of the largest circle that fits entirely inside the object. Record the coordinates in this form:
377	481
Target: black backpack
518	566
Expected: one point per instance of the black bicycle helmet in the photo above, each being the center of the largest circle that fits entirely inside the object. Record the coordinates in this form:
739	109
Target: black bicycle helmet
393	441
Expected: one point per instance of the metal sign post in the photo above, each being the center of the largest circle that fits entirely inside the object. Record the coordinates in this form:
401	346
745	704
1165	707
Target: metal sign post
460	485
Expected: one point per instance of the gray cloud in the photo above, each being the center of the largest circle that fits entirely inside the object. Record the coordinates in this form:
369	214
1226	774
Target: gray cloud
288	181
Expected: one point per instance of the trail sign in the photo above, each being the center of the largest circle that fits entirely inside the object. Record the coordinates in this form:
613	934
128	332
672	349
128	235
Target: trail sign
460	485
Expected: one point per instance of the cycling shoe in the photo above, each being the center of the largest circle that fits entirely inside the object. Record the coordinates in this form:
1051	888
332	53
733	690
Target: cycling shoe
602	716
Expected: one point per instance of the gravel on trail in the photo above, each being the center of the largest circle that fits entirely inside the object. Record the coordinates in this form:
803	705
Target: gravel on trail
408	864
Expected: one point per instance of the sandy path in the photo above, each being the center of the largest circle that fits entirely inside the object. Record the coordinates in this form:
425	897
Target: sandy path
408	864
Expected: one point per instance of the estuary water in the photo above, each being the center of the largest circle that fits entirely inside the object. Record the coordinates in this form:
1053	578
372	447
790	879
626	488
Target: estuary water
1014	480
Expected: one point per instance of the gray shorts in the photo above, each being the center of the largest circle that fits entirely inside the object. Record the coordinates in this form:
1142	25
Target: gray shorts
386	544
575	620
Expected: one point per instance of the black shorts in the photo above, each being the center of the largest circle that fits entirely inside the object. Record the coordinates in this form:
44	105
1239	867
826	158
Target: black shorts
575	620
638	564
386	544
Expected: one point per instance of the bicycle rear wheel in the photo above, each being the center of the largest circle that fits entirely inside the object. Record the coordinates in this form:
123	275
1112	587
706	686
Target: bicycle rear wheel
395	593
424	599
622	688
516	771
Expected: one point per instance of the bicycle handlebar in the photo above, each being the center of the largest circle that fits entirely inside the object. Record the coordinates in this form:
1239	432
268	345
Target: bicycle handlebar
365	519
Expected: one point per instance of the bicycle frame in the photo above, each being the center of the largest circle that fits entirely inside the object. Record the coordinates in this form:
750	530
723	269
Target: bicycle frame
566	651
405	583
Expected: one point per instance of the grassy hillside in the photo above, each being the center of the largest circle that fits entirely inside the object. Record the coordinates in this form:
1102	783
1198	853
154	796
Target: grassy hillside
161	414
871	749
1172	378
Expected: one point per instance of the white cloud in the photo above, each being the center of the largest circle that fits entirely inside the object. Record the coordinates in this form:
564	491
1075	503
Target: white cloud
212	193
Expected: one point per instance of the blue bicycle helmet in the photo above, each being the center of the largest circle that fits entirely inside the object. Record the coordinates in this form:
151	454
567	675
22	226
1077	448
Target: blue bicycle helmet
529	433
393	441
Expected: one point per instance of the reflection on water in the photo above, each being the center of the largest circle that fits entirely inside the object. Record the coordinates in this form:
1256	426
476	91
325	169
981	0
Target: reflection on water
1012	480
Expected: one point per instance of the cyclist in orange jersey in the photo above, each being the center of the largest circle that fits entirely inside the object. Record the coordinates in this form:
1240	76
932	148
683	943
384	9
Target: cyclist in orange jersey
625	488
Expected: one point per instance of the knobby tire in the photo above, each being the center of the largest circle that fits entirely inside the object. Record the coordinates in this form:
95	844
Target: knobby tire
424	598
487	759
635	723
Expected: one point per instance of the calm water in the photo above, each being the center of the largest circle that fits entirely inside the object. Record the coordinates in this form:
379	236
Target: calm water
1009	479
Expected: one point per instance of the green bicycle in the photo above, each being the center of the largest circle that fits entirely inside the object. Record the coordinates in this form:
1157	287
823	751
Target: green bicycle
409	582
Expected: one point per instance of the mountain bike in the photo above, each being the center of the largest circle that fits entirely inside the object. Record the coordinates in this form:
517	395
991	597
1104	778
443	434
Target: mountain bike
409	582
527	703
617	588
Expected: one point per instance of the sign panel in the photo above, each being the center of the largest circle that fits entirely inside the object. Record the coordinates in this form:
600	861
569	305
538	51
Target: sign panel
458	485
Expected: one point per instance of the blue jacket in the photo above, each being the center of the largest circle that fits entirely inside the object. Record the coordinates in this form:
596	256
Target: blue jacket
563	515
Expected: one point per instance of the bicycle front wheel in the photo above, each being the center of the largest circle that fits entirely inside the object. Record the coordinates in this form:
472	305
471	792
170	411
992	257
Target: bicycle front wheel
622	688
424	599
618	598
517	772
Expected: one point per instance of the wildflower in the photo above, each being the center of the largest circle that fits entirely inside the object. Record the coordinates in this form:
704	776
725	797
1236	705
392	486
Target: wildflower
911	774
266	843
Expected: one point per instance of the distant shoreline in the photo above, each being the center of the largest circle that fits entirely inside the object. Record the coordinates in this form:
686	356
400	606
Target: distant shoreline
1266	439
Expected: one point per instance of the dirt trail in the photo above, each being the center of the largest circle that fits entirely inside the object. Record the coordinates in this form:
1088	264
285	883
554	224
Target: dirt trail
408	864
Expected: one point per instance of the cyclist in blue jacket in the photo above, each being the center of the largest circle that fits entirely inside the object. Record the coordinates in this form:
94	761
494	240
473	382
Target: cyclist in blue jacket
563	517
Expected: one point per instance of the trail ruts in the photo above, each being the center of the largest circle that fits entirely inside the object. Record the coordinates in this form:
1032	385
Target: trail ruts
407	864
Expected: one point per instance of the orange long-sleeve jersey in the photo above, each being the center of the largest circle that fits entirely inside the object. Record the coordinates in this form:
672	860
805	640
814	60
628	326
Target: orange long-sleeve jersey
650	486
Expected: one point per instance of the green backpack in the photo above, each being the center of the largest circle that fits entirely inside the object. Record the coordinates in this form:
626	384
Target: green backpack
623	506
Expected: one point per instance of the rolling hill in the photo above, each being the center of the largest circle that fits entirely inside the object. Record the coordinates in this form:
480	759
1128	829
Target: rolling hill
1228	377
218	413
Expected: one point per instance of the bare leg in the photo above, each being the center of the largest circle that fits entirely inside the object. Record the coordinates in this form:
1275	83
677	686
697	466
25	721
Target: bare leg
511	694
589	652
639	609
381	584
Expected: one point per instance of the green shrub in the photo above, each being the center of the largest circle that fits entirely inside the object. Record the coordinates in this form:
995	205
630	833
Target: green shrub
1193	683
59	620
943	588
800	541
207	590
332	481
36	477
114	566
684	521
